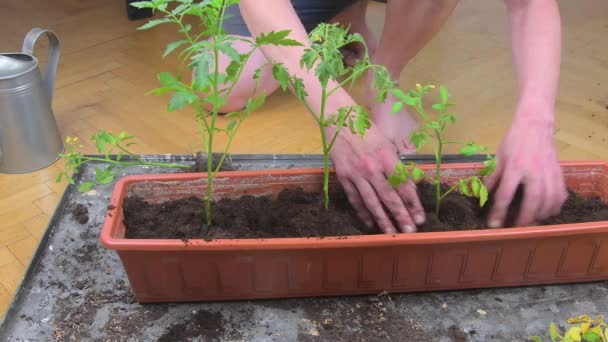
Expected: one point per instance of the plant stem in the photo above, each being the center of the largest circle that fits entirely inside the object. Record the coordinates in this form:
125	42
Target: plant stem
139	162
325	149
438	155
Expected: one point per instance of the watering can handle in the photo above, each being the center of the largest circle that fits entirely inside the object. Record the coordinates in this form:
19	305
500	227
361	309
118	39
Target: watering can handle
53	59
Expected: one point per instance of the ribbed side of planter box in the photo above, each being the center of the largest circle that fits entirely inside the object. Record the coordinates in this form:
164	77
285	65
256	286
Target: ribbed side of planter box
170	270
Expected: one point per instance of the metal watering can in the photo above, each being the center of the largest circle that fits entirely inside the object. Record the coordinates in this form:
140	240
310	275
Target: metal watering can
29	137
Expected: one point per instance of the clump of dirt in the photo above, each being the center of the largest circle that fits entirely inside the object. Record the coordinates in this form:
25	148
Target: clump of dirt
296	213
293	213
79	212
200	162
205	324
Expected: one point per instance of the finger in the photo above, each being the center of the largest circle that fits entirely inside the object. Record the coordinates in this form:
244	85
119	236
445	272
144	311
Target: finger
502	199
374	206
533	198
355	200
410	198
395	205
561	194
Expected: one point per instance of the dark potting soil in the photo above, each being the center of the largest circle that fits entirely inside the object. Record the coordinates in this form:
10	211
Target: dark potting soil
296	213
200	162
79	212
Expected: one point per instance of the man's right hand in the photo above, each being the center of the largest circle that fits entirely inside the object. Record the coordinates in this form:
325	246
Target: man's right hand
362	166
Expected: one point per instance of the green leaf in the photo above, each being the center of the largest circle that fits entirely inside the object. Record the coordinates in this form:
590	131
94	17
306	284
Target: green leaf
464	188
86	186
342	114
397	107
172	46
489	166
233	114
417	174
476	186
536	339
447	118
398	93
439	106
300	89
419	138
230	126
434	125
308	59
470	149
276	38
226	48
167	79
255	103
104	176
142	4
180	99
154	22
362	121
399	176
279	72
201	80
483	195
591	336
59	177
233	68
444	94
553	332
574	334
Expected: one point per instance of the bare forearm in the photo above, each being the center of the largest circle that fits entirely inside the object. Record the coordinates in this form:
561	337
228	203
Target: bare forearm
536	42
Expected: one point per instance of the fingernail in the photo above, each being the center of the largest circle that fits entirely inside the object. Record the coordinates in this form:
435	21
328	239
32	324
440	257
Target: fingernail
369	224
494	223
409	229
419	218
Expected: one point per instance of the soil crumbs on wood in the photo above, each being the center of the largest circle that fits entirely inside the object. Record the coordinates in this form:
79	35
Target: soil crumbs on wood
296	213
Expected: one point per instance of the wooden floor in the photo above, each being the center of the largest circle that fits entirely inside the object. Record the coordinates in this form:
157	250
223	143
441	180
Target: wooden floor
107	67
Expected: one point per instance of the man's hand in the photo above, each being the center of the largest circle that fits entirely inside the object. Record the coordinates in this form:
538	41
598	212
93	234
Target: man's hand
362	166
527	156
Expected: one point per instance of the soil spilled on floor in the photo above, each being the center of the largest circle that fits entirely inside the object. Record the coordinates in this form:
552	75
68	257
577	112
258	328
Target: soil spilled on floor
296	213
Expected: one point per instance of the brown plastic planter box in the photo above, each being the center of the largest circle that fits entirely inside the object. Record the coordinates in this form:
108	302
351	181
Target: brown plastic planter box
170	270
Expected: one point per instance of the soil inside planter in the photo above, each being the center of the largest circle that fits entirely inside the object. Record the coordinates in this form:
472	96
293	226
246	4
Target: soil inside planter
296	213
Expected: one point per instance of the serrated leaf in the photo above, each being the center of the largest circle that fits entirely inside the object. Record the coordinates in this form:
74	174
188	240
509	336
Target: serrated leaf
154	22
86	186
202	65
255	103
227	49
172	46
444	94
276	38
180	99
103	176
553	332
574	334
419	138
233	68
167	79
483	195
279	72
362	121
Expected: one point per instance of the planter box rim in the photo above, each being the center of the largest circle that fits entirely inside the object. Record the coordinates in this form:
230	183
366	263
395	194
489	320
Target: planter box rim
472	236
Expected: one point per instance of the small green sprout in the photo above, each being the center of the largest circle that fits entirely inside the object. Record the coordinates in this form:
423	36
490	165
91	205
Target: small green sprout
325	57
585	329
435	127
107	144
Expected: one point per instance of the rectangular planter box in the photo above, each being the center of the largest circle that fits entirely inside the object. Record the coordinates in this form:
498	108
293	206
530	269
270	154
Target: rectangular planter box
170	270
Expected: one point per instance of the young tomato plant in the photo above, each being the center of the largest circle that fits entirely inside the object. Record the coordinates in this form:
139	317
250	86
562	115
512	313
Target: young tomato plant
211	86
325	57
107	144
436	128
584	329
